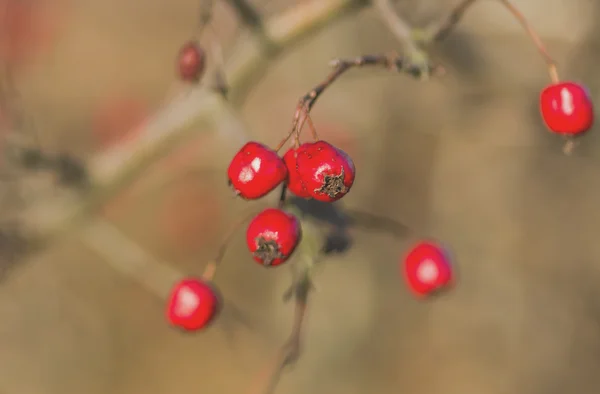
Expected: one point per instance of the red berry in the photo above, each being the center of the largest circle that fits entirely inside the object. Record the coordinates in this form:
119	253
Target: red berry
294	181
272	236
192	304
327	172
191	62
567	108
427	269
255	171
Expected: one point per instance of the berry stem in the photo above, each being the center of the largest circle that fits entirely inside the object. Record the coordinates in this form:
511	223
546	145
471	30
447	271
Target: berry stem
537	41
211	268
282	196
306	102
443	30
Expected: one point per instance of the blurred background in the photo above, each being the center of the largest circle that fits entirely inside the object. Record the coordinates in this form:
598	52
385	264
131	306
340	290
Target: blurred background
464	159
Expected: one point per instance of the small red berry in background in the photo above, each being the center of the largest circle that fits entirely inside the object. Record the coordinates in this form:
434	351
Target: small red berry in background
255	171
294	181
272	236
567	108
117	120
191	62
27	28
327	172
192	304
427	269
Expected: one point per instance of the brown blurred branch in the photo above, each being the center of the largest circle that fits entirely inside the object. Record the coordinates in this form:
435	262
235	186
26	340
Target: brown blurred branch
442	30
181	119
398	26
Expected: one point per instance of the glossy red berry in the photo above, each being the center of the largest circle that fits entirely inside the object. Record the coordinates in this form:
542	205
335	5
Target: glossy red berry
427	269
295	184
191	62
567	108
255	171
327	172
192	304
272	236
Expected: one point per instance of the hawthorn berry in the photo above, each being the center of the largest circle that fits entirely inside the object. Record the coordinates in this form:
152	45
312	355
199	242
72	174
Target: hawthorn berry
255	171
192	304
566	108
295	184
327	172
272	236
191	62
427	269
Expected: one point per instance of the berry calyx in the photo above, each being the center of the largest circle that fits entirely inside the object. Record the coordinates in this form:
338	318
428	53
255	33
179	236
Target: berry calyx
567	108
295	184
191	62
192	304
255	171
427	269
272	236
327	172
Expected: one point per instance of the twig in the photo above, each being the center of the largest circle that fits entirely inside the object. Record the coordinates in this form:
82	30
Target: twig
441	31
113	169
444	29
211	268
397	25
305	104
252	19
537	41
205	15
289	352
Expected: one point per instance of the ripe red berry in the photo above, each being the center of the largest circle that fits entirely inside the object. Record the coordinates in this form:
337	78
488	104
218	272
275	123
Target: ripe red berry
192	304
256	170
295	184
427	269
191	62
327	172
567	108
272	236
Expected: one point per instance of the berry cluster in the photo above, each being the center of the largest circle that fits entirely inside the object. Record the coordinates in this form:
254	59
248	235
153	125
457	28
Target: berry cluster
311	170
320	171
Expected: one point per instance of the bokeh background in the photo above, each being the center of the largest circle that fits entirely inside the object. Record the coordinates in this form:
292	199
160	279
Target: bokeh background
464	159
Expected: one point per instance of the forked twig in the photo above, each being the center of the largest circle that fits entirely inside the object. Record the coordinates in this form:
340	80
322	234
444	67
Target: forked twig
441	31
390	62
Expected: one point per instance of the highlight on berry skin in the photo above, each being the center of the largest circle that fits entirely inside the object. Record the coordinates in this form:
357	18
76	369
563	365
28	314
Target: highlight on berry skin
427	269
323	172
192	304
567	109
272	236
255	171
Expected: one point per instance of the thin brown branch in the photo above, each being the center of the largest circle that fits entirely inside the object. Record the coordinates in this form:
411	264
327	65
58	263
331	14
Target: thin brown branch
442	30
398	26
537	41
252	19
289	352
306	103
180	120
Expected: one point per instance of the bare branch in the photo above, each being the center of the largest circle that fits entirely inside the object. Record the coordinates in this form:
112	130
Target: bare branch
391	62
171	126
442	30
398	26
